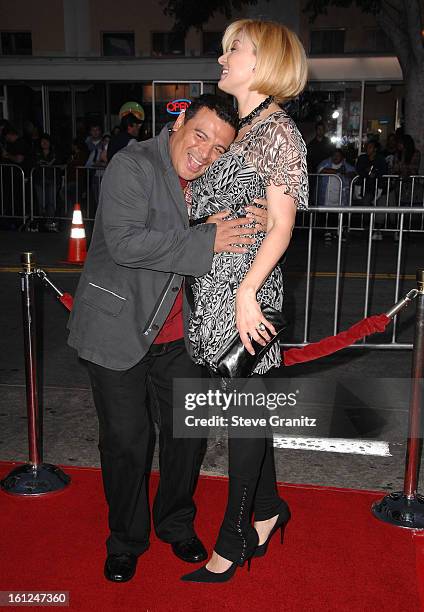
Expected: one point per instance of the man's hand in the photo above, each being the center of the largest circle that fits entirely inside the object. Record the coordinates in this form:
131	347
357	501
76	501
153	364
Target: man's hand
230	232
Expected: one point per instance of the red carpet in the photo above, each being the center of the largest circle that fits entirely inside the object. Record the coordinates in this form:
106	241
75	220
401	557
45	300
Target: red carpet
336	556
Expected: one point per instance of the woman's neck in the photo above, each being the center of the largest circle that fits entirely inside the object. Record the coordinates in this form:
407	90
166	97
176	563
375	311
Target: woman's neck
247	101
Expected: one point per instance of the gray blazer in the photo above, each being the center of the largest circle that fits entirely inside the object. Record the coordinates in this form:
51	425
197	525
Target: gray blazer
141	249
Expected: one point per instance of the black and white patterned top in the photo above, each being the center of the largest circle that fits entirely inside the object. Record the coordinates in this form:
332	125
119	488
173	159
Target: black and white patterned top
272	151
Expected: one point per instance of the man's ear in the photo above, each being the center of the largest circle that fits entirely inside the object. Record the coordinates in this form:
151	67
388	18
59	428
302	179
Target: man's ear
179	122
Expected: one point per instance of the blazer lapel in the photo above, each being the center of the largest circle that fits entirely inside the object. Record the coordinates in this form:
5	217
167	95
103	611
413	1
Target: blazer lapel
170	176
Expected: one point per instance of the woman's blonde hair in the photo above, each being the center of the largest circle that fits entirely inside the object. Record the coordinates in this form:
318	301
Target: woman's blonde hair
281	67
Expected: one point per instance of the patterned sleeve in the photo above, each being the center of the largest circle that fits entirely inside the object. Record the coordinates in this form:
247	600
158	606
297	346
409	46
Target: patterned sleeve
282	160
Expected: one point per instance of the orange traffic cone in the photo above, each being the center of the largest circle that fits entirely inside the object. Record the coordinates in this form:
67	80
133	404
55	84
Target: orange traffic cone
77	248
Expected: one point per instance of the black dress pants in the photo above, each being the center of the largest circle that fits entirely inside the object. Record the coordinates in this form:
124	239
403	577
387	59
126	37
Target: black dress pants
125	430
252	488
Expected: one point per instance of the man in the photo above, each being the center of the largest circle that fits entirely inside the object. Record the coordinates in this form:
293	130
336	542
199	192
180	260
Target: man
132	117
127	324
371	167
94	144
329	188
319	148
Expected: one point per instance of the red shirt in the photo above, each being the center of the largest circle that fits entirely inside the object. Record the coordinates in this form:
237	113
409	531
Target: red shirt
173	327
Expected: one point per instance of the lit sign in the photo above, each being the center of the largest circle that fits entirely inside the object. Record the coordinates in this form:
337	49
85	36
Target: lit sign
175	107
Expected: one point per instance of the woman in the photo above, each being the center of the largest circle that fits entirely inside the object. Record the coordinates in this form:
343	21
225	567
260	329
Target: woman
263	64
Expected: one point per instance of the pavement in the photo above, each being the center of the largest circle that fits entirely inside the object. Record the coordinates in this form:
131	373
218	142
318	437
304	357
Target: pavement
364	446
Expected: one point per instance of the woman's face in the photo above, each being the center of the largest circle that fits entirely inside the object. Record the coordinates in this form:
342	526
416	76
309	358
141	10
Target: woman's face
237	66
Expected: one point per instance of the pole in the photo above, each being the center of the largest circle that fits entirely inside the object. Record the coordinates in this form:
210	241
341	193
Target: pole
30	346
406	508
414	437
33	478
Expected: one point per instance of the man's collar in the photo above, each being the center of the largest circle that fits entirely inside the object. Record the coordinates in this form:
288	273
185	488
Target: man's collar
163	145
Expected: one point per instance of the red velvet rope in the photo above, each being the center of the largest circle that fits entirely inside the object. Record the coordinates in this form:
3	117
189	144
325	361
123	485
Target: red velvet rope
332	344
315	350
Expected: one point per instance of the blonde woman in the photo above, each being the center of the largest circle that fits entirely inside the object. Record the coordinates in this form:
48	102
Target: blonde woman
263	64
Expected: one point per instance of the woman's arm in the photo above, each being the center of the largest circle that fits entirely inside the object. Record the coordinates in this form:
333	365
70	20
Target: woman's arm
281	218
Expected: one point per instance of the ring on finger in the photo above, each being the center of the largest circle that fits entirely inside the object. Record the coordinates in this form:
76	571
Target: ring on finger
261	327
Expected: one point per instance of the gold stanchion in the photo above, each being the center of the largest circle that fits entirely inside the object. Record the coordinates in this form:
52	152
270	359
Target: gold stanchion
406	508
35	477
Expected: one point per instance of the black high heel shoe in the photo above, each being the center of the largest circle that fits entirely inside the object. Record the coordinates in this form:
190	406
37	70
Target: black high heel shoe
204	575
281	522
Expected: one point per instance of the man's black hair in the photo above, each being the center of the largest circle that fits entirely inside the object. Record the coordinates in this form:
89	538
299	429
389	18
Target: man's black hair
222	107
129	119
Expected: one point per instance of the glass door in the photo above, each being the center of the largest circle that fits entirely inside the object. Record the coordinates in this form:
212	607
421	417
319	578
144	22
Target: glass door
169	98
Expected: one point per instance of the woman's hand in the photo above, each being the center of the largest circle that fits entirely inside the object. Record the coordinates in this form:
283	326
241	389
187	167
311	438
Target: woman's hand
258	212
251	323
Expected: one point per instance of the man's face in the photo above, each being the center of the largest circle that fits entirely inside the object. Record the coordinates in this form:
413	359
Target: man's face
371	149
95	132
134	129
320	131
337	158
196	143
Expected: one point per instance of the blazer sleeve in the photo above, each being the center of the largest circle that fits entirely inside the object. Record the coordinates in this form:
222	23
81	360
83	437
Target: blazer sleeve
126	188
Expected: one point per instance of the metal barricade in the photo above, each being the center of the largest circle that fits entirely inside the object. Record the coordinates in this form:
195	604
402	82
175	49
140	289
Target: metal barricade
12	192
56	189
45	192
369	257
388	191
87	183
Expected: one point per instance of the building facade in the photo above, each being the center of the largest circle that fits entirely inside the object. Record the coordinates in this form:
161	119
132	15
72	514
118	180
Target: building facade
67	63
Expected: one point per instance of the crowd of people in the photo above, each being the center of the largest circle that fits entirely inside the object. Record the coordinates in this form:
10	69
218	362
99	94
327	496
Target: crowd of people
399	158
55	189
54	194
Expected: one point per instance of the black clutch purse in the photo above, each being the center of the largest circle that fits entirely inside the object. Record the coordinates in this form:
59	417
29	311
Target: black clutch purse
234	361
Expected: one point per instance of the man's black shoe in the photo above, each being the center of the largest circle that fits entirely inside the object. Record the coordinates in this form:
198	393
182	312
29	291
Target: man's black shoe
191	550
120	567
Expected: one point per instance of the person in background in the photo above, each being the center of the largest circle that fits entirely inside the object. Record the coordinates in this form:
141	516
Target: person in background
390	151
329	188
407	159
16	149
46	181
95	146
4	126
15	152
132	117
105	145
74	186
115	130
371	166
406	164
319	148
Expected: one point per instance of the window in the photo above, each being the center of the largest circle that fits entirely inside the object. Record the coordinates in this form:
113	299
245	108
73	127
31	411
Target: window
327	41
212	43
16	43
167	43
118	44
378	41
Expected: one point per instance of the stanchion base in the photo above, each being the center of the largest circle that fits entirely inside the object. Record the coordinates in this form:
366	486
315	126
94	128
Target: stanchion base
35	480
398	509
